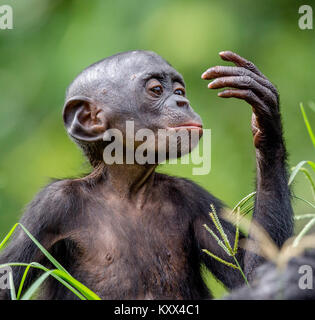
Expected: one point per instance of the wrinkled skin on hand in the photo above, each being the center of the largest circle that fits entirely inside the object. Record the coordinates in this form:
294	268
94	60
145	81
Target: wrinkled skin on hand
244	81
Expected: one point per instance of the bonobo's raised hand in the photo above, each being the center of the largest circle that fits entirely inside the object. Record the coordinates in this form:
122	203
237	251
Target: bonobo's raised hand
248	83
272	208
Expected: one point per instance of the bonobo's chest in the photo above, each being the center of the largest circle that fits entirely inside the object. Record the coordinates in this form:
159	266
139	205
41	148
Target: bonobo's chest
131	252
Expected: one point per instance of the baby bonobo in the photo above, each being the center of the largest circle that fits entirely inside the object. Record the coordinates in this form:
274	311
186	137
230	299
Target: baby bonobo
127	232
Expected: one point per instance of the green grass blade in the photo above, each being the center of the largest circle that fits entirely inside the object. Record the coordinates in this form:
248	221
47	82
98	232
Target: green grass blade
308	176
241	271
308	126
244	200
89	294
219	227
221	231
248	208
305	216
212	233
309	203
219	242
82	288
23	264
312	105
41	267
312	164
306	228
295	171
219	259
67	285
22	281
237	232
8	236
12	287
58	278
59	274
34	287
44	251
31	265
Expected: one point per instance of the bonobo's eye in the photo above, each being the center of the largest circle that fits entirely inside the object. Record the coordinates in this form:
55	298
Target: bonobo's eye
154	87
179	89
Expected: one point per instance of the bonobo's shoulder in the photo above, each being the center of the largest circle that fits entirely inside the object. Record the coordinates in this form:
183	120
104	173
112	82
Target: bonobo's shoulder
60	190
55	200
189	192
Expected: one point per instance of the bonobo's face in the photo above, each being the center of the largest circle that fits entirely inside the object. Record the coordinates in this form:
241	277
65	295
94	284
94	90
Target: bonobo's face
154	92
136	86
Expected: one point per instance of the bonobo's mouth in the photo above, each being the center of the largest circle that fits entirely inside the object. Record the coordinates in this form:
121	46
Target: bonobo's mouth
188	126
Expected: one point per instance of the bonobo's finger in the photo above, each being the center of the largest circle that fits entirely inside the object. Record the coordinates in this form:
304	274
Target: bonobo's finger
239	61
259	108
245	82
223	71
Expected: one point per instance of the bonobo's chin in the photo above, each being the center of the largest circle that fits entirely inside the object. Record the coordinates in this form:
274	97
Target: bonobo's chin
189	126
179	141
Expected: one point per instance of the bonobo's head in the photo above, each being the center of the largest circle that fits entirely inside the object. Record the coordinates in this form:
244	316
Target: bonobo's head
136	86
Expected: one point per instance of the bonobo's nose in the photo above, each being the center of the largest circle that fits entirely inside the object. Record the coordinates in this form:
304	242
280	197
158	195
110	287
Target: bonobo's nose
182	102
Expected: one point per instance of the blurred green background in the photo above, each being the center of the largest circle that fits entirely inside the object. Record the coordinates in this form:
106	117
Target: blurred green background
52	41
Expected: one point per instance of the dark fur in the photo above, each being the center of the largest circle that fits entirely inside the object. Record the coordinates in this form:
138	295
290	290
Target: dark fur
272	283
152	251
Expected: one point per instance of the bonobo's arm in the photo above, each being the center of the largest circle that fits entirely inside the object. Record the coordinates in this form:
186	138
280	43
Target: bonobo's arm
44	219
272	209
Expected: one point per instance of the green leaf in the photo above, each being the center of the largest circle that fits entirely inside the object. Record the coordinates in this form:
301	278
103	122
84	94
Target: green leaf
82	288
241	271
89	294
219	227
12	287
312	105
312	164
31	265
67	285
306	201
306	228
220	260
248	208
308	126
7	237
44	251
212	233
308	176
23	280
305	216
220	243
237	232
34	287
296	169
41	267
244	200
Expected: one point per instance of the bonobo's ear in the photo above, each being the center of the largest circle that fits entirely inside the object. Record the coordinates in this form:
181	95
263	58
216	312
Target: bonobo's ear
84	120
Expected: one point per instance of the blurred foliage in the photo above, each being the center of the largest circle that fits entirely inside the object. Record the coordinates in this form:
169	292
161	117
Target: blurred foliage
53	40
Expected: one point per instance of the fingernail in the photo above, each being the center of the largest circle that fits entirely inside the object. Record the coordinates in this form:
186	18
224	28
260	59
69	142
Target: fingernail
221	52
204	75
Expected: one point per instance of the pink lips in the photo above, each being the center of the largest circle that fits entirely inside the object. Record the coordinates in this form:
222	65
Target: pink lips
189	126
